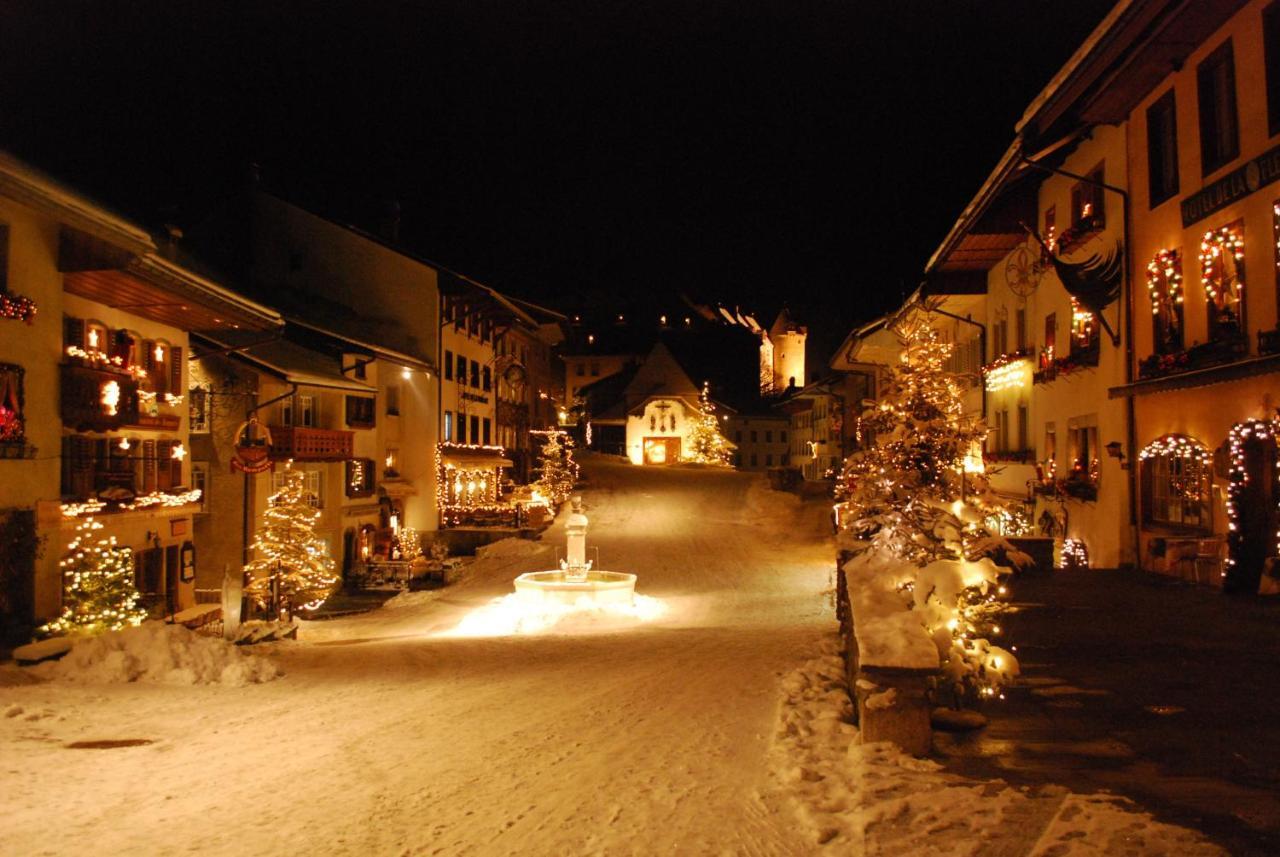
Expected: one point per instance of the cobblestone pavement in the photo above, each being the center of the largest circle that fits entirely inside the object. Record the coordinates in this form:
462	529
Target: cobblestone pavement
1160	691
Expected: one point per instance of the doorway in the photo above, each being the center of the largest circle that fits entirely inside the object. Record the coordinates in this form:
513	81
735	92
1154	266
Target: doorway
661	450
1254	539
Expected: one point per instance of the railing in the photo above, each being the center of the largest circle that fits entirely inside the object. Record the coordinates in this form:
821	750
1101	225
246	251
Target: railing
310	444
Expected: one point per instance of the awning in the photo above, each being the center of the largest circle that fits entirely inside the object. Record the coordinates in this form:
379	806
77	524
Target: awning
1249	368
473	458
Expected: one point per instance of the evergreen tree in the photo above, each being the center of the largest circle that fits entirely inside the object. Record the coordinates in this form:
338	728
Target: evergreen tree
292	570
707	444
917	504
99	592
559	471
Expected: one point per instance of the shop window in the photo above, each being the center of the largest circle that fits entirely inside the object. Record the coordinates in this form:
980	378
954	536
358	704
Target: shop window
1162	150
1222	274
361	412
1176	473
12	400
1219	124
448	365
1164	289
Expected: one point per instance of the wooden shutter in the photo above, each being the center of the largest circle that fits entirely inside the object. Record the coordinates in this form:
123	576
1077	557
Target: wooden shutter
72	332
4	257
175	371
148	354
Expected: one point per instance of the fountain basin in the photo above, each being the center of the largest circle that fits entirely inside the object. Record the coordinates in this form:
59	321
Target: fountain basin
556	588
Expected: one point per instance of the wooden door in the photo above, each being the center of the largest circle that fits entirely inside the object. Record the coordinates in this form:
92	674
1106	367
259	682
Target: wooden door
661	450
172	571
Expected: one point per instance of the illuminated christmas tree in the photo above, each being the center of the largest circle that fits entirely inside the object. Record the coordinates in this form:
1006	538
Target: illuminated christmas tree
559	471
293	570
707	445
917	504
99	592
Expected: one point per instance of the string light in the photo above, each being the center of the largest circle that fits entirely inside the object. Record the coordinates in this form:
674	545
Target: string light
292	568
1164	280
1007	370
98	588
1238	480
1074	554
1217	246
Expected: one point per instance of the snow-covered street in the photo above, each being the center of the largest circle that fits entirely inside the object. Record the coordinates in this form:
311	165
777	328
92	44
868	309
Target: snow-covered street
712	722
389	735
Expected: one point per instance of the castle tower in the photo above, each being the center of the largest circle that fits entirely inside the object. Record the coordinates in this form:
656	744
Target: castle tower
788	337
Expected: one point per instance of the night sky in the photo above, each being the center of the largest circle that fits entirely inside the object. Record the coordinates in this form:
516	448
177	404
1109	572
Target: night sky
573	152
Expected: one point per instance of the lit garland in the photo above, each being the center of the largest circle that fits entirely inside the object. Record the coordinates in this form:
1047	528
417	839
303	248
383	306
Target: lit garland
460	490
356	483
1074	554
1164	279
1215	247
97	357
559	471
169	398
1188	482
1238	478
145	501
1007	370
17	307
97	576
292	569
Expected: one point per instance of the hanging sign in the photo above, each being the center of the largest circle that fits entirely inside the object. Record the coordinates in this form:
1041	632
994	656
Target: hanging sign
252	453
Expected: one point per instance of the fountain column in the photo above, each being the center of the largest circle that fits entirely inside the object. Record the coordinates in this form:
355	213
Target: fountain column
576	549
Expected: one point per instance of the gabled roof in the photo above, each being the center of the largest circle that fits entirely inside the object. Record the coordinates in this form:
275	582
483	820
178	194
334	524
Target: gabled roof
288	361
660	375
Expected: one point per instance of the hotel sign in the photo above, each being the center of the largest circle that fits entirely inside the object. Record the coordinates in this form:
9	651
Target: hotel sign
1238	183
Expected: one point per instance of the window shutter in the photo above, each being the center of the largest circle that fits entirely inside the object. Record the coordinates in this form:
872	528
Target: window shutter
148	354
175	371
4	257
73	332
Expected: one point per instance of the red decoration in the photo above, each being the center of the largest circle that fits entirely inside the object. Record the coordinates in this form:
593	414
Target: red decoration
17	307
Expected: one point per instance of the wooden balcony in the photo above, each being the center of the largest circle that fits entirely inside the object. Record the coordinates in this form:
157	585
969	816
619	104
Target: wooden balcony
310	444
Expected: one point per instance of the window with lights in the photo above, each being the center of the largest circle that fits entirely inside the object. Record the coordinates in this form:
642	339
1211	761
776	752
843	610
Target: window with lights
1175	473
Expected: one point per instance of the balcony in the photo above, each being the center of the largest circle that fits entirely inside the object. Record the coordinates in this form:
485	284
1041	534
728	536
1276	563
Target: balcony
310	444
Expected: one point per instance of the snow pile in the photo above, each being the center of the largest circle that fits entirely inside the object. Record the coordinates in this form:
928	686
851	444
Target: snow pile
510	615
158	652
510	548
874	799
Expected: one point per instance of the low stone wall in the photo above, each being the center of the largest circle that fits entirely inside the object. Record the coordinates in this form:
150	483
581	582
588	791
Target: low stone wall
887	683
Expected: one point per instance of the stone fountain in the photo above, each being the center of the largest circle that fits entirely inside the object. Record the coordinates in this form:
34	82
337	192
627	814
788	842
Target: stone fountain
576	583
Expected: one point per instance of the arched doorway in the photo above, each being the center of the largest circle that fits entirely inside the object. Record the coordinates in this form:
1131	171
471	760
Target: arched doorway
1251	504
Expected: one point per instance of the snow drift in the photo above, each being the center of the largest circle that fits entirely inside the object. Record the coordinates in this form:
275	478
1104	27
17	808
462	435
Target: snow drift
158	652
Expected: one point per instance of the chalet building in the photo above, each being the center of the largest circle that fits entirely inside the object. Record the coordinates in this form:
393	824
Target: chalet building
761	437
1200	95
367	310
815	413
94	417
528	383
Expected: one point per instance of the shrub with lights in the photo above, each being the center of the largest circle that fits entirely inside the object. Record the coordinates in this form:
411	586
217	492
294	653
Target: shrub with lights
559	472
292	570
917	512
707	444
98	589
